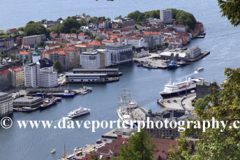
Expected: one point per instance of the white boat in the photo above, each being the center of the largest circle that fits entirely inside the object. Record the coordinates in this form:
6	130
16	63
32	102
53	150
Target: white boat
175	89
78	112
200	69
126	107
53	151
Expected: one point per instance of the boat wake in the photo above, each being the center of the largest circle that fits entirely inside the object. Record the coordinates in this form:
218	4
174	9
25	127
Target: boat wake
184	77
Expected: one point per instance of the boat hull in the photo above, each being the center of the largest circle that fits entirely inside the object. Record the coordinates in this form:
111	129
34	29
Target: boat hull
173	94
75	116
56	95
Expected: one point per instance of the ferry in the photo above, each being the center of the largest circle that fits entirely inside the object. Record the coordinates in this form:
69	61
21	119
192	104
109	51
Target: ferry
200	69
175	89
78	112
173	65
66	94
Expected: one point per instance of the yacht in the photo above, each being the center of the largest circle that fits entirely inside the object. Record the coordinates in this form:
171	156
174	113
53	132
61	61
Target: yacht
53	151
175	89
78	112
200	69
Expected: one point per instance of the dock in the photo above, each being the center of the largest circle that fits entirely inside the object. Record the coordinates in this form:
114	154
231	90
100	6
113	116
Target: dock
125	133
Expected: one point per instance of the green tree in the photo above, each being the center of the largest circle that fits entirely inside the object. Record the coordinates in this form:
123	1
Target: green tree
57	66
68	24
133	48
59	19
162	136
98	38
42	44
44	20
171	137
108	19
140	147
230	9
166	44
93	20
118	17
31	61
94	157
83	22
202	103
24	61
34	28
73	30
178	152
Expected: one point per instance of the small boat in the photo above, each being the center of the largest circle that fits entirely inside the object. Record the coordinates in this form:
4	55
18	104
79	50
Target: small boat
173	65
200	69
47	103
53	151
183	63
78	112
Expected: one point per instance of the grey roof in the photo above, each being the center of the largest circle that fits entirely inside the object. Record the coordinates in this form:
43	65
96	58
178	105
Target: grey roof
27	100
95	70
83	75
2	94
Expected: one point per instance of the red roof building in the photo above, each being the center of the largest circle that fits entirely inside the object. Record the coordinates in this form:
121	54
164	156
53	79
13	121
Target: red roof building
24	53
4	72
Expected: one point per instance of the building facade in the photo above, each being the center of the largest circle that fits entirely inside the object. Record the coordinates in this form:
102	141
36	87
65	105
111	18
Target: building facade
90	60
166	16
17	76
31	75
5	79
31	40
48	78
6	104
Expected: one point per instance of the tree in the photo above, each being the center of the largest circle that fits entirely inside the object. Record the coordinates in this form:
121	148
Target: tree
98	38
162	136
68	24
133	48
178	152
166	44
44	20
140	147
171	137
83	22
119	17
24	61
59	19
73	30
34	28
57	66
217	141
202	103
159	46
230	9
31	61
93	19
42	44
108	19
94	157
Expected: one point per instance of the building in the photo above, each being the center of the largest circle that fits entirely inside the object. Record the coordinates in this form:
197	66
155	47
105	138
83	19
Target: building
53	35
52	46
31	75
48	78
180	28
74	55
95	44
193	52
51	24
176	54
10	64
136	42
27	102
120	53
81	78
6	43
84	47
6	104
5	79
63	42
123	23
16	76
31	40
203	89
90	60
110	42
141	52
108	71
166	16
105	58
36	56
24	55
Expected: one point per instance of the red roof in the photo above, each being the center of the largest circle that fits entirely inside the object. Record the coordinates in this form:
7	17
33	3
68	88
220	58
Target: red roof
72	34
69	48
136	38
62	53
82	34
63	34
148	32
24	53
96	43
51	51
15	69
110	40
83	45
12	30
24	45
53	45
4	72
114	36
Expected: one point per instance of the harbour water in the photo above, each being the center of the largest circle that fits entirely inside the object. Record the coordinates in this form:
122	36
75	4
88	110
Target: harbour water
222	40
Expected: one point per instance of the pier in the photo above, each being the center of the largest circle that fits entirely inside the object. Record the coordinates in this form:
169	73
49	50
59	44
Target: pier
203	54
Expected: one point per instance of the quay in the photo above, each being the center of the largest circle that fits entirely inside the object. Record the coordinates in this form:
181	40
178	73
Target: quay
124	132
81	152
108	71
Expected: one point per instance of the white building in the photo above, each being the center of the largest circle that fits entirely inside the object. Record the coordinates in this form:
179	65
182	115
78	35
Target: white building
180	28
136	42
6	104
48	78
31	75
166	16
193	52
90	60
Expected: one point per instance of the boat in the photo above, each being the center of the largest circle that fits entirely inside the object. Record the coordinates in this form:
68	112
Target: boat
173	65
200	69
53	151
183	63
175	89
23	109
48	102
65	94
149	66
78	112
126	107
88	89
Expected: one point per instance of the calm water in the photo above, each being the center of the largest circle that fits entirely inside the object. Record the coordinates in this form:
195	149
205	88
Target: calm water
222	40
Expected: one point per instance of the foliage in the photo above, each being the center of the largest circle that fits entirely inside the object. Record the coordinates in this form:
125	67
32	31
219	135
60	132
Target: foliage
108	19
230	9
140	147
171	137
94	157
139	16
174	12
24	61
166	44
202	103
162	136
185	18
178	152
44	20
68	24
73	30
57	66
42	44
34	28
93	19
118	17
98	38
133	47
83	22
159	46
218	142
102	18
59	19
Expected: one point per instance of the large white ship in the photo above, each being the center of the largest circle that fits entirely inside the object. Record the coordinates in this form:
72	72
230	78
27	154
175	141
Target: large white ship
78	112
174	89
127	105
